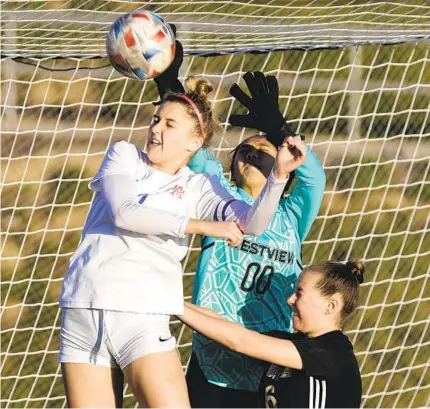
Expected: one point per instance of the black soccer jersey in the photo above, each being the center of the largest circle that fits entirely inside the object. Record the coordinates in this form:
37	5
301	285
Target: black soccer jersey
330	377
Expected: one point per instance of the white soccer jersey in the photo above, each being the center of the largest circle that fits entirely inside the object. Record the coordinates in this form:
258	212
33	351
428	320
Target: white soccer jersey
133	239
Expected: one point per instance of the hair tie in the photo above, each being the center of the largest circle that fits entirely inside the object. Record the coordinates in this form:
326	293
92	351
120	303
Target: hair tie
196	110
356	274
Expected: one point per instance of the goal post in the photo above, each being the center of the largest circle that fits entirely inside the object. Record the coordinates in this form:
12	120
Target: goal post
354	78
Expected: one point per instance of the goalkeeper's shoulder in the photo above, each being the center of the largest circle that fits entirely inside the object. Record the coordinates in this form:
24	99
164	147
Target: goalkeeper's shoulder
204	161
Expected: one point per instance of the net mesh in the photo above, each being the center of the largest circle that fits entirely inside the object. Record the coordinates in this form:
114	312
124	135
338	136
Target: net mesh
364	110
67	28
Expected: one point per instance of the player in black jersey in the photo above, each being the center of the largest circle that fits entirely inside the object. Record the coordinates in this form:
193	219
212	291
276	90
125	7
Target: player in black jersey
315	367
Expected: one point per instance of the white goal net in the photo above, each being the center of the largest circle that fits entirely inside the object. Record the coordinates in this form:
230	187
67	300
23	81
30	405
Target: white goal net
354	78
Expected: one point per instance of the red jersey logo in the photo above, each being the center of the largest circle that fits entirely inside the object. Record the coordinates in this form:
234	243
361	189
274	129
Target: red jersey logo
177	191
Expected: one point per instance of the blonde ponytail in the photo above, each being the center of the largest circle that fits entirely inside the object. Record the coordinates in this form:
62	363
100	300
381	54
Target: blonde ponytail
200	86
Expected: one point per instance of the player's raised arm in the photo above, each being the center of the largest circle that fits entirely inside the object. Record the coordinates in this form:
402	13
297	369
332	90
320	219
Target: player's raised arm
116	182
304	201
216	203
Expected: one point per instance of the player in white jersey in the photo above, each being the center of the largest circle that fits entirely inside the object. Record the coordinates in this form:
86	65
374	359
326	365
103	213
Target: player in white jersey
125	278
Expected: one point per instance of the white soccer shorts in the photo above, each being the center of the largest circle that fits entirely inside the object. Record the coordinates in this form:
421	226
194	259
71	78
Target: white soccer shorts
112	338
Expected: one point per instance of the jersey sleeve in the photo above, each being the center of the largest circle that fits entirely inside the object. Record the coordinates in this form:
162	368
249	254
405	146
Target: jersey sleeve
318	356
283	335
216	203
204	161
121	159
304	202
116	182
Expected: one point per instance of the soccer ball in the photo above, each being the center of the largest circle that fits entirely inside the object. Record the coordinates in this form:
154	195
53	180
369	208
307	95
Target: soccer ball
140	45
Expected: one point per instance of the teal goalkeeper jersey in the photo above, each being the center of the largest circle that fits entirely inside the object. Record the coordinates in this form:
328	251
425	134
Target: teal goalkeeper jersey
250	284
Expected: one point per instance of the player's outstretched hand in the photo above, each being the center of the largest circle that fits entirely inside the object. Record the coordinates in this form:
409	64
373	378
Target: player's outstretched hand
227	230
224	230
291	154
168	81
263	107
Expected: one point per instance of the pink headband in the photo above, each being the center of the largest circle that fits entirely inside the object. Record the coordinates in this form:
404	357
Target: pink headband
196	110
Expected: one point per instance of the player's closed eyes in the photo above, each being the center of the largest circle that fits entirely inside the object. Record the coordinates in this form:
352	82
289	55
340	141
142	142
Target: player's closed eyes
156	119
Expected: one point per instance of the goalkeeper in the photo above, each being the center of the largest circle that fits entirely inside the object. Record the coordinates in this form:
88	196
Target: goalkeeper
249	284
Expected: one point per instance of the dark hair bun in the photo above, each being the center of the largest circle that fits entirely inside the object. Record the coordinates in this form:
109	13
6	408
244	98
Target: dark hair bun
201	86
357	269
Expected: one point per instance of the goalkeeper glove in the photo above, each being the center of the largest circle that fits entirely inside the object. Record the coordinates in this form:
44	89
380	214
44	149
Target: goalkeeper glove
168	80
263	107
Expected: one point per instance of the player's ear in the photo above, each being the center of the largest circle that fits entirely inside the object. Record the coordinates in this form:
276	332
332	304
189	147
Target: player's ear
334	304
195	145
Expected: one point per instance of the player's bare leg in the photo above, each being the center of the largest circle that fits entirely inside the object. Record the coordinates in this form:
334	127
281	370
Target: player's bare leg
157	380
89	385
